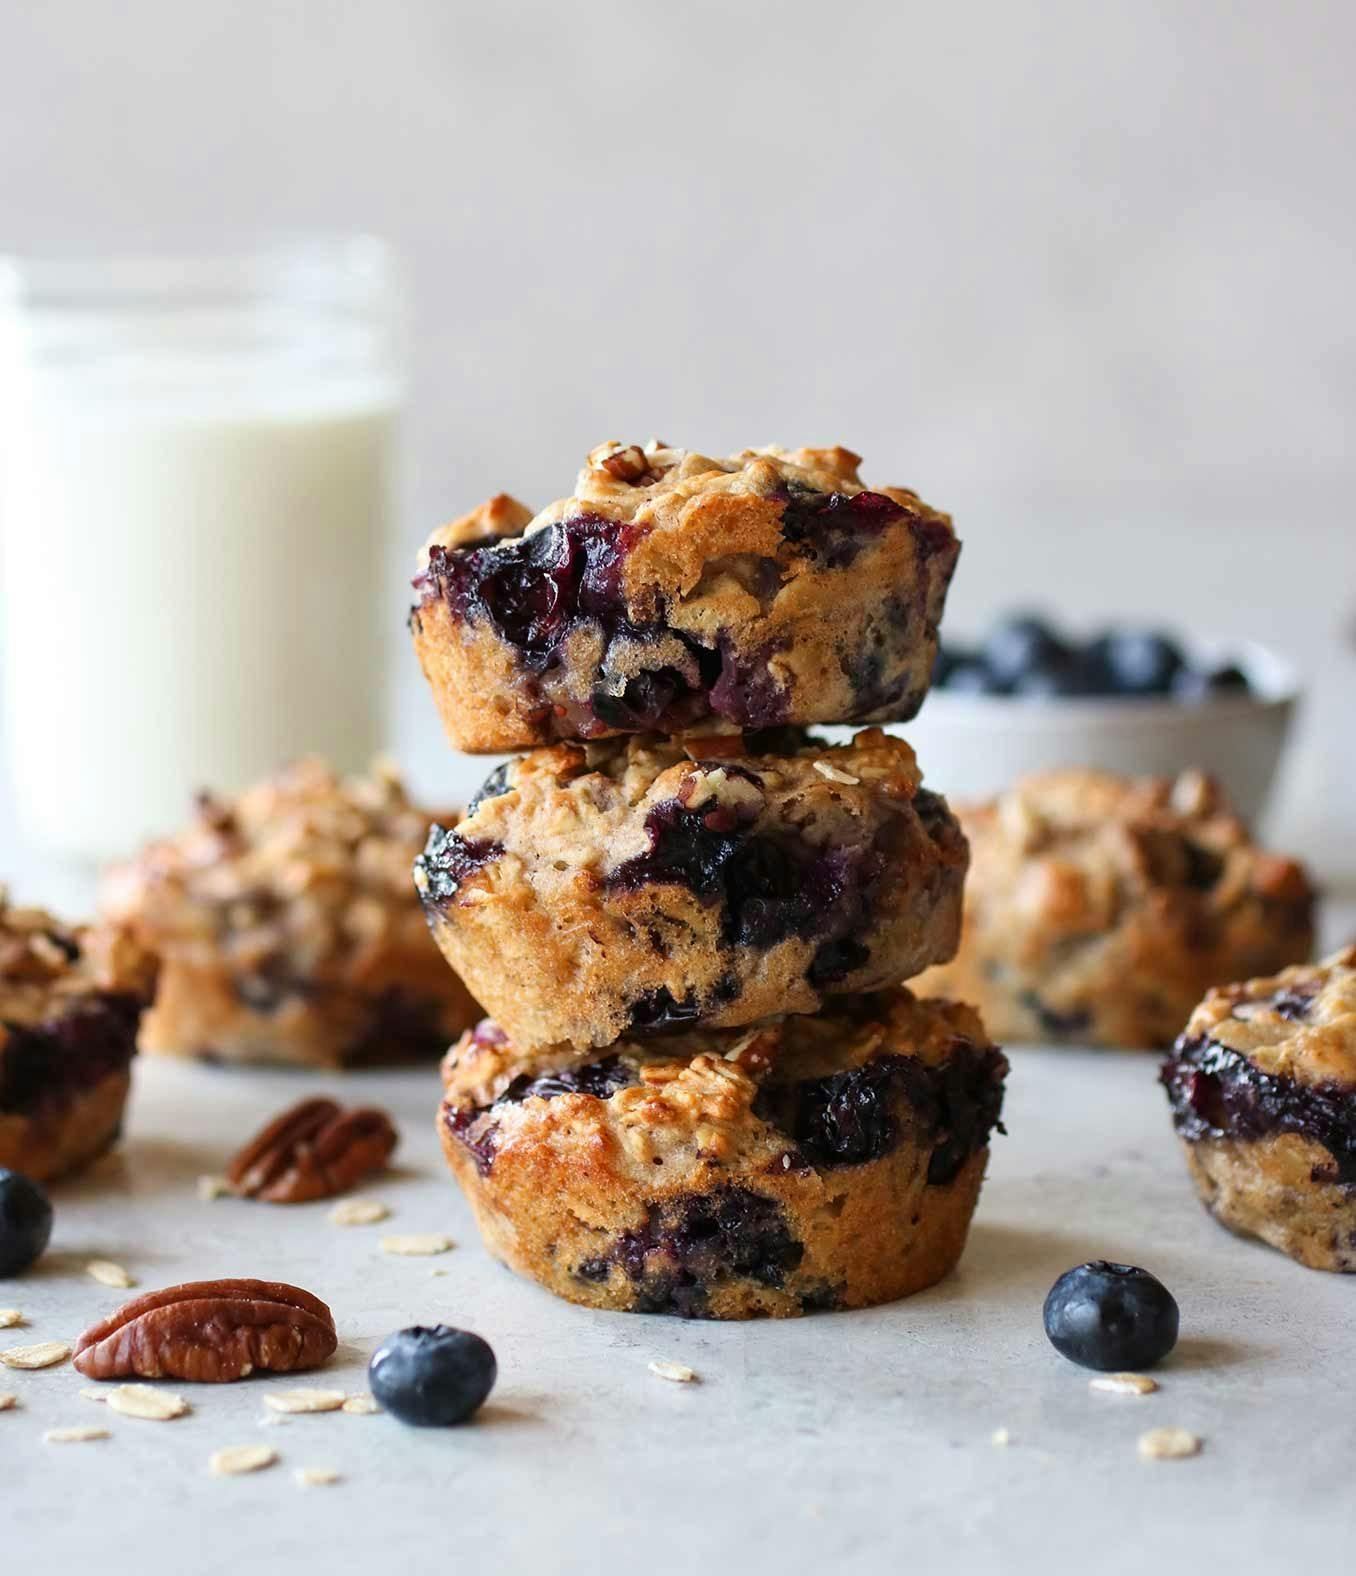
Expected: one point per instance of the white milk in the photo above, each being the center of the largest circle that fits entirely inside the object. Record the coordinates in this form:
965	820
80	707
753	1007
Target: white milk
191	533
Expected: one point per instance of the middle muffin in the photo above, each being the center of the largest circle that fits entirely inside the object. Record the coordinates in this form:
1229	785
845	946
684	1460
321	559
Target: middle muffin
636	884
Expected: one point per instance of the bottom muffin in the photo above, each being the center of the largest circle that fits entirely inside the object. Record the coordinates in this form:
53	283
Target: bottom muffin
810	1163
70	1001
1263	1091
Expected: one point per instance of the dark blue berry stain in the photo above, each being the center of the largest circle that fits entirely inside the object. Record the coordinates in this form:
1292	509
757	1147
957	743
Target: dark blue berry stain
448	859
658	1009
859	1115
768	887
834	527
536	590
694	1242
477	1128
1216	1092
51	1061
494	785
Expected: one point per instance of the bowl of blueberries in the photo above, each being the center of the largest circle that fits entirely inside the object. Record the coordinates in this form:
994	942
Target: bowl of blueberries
1030	696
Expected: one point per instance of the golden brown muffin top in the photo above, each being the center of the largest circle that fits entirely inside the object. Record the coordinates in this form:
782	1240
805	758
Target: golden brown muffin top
848	1032
656	487
1079	848
584	805
46	965
1300	1023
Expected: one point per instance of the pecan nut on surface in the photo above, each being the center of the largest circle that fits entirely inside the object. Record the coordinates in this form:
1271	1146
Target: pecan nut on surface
314	1150
210	1332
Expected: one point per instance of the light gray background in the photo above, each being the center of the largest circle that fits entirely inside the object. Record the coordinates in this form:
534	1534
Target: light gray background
1080	273
847	1444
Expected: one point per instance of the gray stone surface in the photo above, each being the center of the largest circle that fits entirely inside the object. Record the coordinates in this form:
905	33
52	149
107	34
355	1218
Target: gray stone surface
844	1443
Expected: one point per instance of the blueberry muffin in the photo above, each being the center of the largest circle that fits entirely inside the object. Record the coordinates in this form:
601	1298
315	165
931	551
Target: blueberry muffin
70	1001
638	884
808	1163
1262	1085
1100	909
764	589
288	930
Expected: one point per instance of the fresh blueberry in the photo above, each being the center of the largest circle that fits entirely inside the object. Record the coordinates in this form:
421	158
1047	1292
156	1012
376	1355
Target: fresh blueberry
1111	1316
494	785
970	676
1018	645
25	1223
1057	676
945	663
1230	679
1193	684
432	1376
1137	662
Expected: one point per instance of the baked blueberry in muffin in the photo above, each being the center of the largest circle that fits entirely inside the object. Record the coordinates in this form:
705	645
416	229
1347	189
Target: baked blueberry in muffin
643	884
1262	1084
1100	909
828	1161
288	930
673	589
70	1000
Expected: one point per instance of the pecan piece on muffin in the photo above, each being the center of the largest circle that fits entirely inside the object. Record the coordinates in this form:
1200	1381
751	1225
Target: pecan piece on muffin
768	588
641	884
70	1001
1262	1084
287	928
828	1161
1100	909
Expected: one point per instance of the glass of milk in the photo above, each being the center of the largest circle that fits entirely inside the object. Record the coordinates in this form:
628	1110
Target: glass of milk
195	483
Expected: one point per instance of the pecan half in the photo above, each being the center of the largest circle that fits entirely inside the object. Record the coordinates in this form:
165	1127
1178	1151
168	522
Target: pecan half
627	465
210	1332
314	1150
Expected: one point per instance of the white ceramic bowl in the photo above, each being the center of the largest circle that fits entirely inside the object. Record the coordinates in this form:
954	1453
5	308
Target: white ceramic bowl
973	746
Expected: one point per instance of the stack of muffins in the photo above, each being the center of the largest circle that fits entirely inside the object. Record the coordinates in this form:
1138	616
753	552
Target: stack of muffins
703	1089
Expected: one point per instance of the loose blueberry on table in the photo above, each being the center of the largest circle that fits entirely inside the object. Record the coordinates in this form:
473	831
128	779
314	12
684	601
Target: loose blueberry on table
1111	1317
1025	655
25	1223
432	1376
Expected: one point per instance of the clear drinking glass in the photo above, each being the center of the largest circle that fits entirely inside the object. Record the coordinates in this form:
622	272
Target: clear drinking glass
196	464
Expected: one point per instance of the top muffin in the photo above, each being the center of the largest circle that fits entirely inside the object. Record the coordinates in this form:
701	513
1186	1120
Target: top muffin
671	588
